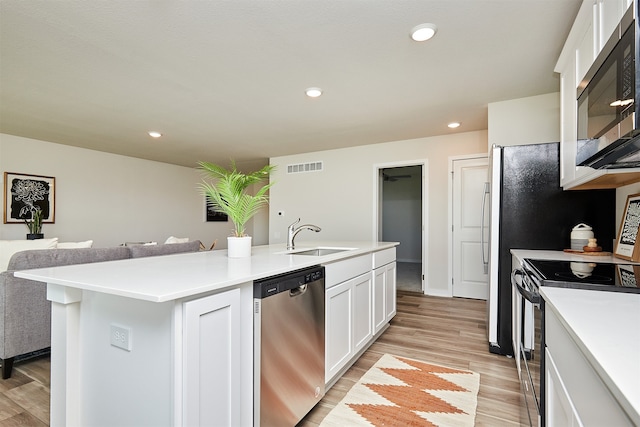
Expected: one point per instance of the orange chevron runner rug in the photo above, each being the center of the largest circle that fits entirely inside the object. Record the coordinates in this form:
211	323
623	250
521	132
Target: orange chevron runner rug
397	391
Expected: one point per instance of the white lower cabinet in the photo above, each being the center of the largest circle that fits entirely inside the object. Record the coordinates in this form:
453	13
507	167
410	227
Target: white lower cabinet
211	360
575	393
560	410
384	295
348	322
360	299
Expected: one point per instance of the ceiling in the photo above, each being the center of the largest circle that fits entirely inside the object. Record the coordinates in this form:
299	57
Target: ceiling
226	79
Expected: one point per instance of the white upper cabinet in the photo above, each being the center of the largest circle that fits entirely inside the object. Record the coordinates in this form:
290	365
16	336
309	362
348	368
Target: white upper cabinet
593	26
607	15
585	49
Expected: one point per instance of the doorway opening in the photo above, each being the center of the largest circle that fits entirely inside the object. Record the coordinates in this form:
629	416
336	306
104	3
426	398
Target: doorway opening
401	218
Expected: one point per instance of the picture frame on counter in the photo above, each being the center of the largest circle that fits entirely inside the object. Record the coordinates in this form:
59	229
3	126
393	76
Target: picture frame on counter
627	242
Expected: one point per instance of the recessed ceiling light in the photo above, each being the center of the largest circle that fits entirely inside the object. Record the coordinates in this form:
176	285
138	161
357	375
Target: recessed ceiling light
154	134
423	32
313	92
453	125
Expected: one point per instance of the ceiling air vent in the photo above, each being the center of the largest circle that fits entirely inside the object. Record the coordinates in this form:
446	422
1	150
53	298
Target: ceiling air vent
305	167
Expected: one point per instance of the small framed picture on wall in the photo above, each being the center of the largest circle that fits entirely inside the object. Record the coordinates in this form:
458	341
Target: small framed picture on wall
628	243
24	194
211	215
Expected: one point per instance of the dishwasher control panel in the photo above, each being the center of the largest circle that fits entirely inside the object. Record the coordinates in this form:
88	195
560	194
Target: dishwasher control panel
264	288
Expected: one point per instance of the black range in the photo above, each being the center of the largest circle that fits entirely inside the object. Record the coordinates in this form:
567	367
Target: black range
586	275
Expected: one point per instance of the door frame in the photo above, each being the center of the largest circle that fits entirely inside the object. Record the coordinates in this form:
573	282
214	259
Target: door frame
450	215
377	208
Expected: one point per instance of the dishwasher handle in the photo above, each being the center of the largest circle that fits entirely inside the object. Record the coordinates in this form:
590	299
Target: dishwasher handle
297	291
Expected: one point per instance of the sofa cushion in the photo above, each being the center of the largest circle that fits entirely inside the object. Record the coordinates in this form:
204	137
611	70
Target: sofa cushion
47	258
10	247
168	249
75	245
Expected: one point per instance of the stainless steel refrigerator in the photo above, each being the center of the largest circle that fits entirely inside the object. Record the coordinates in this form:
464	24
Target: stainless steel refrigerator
528	209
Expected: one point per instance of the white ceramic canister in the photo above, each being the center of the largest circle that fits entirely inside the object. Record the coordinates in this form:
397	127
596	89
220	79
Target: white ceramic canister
580	236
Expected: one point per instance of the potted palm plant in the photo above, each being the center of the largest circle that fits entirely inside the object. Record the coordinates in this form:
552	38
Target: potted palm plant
228	194
34	225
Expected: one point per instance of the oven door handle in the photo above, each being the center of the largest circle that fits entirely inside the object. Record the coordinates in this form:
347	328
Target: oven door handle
532	297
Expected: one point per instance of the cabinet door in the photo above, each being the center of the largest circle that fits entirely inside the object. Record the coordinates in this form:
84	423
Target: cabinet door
379	296
568	120
559	409
339	327
362	307
609	14
390	291
585	50
211	360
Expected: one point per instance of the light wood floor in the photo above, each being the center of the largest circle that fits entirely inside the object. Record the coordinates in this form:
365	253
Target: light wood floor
439	330
446	331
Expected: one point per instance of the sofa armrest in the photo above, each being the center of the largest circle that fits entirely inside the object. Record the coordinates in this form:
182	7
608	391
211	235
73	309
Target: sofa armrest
25	314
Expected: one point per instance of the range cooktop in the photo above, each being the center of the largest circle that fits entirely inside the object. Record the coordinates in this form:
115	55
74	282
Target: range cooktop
586	275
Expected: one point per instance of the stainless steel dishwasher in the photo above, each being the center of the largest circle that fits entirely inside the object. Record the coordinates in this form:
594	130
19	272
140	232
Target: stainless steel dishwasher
289	346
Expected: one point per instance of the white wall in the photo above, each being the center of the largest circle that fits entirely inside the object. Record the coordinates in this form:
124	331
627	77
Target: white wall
340	199
112	199
531	120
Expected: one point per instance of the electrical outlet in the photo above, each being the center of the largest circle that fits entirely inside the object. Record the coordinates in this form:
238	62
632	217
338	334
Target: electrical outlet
121	337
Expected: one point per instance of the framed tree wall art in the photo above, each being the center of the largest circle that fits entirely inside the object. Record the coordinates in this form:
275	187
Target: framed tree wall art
628	243
212	215
24	194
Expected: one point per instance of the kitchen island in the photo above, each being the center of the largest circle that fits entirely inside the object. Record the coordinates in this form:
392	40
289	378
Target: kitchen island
169	340
592	352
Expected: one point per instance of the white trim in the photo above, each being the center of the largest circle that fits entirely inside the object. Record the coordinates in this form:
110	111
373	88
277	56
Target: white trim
452	159
377	192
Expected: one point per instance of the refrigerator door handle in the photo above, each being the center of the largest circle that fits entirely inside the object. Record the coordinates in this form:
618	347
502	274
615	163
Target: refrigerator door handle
485	259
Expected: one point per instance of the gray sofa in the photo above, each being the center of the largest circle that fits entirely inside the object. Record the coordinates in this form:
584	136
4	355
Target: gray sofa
25	312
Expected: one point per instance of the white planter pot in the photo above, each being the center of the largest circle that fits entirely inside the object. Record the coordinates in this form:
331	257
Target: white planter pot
239	247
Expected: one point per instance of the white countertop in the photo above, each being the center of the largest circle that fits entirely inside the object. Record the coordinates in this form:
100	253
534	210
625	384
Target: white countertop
170	277
606	328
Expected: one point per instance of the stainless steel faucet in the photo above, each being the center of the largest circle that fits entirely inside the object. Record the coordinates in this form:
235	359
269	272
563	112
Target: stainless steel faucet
292	231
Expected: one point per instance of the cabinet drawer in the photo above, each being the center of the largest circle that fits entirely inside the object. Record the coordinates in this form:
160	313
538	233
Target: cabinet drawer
340	271
384	257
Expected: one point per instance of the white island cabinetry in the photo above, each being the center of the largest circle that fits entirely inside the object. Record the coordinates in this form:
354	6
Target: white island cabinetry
212	349
349	322
360	302
168	340
384	288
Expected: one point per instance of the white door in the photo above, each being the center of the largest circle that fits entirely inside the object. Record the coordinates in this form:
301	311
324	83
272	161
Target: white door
469	278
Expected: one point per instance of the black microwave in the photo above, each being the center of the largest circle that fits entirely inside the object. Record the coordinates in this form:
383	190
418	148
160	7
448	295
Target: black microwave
607	98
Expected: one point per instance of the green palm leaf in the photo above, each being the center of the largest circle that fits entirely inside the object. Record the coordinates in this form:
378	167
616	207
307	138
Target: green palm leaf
228	193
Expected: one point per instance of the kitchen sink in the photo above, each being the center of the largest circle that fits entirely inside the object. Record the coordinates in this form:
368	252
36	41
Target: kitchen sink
319	251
